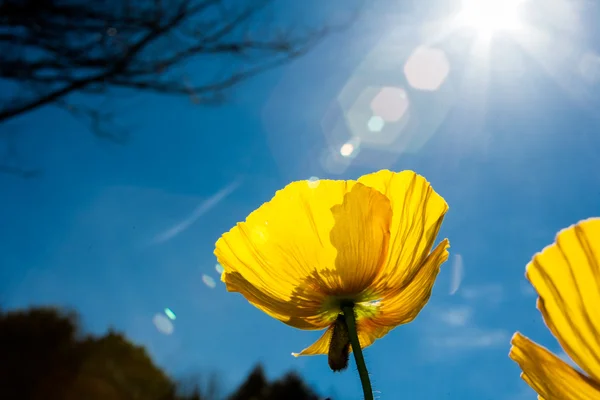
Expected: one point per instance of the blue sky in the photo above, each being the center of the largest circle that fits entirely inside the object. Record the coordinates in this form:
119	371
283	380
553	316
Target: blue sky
505	128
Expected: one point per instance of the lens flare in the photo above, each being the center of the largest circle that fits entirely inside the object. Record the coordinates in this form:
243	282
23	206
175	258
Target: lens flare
487	16
170	314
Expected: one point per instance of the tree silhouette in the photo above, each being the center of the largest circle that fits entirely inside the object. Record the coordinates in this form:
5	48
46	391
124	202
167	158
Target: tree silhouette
53	48
39	357
114	368
289	387
44	356
255	386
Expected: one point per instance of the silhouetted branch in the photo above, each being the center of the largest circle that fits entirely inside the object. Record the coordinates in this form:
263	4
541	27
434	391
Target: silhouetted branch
67	46
52	49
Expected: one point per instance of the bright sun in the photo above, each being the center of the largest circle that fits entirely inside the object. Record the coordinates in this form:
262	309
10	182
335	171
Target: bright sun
490	15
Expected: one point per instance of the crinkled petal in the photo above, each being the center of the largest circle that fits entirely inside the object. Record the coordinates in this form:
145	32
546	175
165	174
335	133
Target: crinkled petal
403	305
304	314
566	276
309	242
548	375
361	235
417	214
369	332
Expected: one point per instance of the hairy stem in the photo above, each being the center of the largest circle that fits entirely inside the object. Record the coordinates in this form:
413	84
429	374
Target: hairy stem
358	355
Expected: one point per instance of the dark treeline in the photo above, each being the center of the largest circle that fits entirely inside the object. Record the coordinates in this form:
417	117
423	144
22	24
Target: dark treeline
45	356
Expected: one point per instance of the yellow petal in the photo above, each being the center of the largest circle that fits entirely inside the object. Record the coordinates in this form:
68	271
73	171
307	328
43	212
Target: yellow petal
548	375
403	305
307	243
321	346
417	214
361	234
301	314
367	334
566	276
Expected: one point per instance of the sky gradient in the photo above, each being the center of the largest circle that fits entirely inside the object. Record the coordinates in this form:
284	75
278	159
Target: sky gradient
504	125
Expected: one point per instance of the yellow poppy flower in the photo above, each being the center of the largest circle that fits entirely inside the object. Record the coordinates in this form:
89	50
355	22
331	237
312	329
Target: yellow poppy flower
566	276
318	245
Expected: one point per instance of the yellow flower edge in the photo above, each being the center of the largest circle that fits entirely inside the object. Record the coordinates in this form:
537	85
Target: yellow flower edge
566	276
317	245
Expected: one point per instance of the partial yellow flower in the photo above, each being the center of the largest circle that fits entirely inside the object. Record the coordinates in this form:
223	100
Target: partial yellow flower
317	245
566	275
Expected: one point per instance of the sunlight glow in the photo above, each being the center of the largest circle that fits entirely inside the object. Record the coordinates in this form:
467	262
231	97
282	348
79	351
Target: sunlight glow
219	268
487	16
457	274
163	324
375	123
347	149
209	281
170	314
313	182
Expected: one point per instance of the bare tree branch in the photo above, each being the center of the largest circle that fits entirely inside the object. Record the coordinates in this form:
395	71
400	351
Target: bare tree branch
52	49
69	46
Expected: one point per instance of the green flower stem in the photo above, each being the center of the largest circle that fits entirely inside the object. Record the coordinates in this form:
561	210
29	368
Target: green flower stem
358	355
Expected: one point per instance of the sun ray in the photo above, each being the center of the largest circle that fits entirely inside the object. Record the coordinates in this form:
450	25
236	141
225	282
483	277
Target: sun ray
489	16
